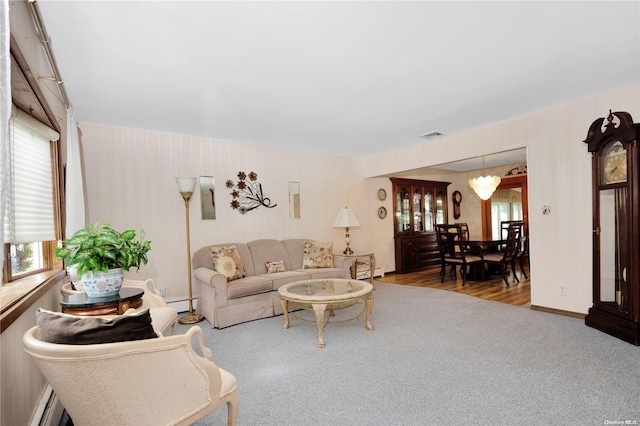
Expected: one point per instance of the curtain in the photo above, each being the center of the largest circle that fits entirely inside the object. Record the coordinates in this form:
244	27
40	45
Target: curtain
5	115
74	183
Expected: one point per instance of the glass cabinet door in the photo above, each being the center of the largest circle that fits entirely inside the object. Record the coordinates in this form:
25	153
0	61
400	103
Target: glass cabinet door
403	210
441	207
418	219
428	207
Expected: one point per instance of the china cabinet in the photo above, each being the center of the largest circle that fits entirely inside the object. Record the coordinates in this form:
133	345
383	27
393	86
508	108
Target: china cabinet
418	205
613	142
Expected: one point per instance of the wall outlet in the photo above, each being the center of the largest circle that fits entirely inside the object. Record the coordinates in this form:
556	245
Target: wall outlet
562	290
163	292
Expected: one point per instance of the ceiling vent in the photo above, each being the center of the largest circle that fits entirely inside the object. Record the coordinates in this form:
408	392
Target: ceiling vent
432	135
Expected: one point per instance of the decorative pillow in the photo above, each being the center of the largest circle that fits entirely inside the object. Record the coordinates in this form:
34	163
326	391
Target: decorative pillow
317	255
275	266
226	261
56	327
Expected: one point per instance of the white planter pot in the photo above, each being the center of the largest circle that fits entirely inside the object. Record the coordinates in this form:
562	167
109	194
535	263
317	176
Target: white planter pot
103	284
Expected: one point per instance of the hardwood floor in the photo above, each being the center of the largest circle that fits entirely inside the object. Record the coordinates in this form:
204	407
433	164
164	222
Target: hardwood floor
518	294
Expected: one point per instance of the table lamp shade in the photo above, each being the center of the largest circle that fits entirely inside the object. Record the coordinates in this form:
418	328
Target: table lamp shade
346	219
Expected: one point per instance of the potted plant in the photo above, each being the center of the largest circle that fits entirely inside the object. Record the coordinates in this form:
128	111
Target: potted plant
101	255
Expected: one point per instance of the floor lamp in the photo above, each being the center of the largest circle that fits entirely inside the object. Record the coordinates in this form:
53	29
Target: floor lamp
186	187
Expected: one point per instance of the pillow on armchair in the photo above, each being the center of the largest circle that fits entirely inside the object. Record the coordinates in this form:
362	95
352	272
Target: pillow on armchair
65	329
317	255
226	261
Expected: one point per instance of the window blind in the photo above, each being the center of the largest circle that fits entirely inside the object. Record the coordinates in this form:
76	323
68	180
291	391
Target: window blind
30	215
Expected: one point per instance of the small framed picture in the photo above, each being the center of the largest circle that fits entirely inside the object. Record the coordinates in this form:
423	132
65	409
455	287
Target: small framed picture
382	212
382	194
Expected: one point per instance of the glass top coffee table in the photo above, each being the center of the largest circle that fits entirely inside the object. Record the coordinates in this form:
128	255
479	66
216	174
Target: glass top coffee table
332	293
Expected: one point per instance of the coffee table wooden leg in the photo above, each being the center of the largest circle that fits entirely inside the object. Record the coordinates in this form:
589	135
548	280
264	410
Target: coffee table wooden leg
319	309
368	303
285	310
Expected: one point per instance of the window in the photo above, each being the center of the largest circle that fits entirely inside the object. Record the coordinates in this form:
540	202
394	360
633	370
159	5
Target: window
30	223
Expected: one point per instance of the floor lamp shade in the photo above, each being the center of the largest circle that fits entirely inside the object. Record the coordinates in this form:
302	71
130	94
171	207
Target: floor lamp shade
346	219
186	184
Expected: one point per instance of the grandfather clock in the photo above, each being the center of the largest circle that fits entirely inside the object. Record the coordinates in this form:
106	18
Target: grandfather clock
613	142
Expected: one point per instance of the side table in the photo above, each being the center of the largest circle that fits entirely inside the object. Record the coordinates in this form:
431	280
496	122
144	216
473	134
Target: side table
359	259
81	304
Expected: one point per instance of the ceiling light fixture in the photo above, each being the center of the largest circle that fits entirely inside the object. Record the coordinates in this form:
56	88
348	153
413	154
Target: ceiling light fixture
484	186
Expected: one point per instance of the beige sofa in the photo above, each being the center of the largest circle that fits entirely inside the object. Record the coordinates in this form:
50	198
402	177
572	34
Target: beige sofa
256	295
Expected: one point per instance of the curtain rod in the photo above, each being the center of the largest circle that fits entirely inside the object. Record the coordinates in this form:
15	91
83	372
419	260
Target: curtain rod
44	39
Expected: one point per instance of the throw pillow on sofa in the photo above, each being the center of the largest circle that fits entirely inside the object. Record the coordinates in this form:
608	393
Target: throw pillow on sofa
275	266
317	255
56	327
226	261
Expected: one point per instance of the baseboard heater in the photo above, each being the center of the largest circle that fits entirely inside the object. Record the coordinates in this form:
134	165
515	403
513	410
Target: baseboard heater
182	305
49	411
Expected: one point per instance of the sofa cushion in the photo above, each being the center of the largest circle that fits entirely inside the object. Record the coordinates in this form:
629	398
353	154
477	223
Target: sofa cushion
275	266
281	278
317	255
226	261
248	286
56	327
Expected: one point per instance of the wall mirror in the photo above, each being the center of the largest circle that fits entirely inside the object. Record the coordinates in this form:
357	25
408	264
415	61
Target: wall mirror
294	200
207	199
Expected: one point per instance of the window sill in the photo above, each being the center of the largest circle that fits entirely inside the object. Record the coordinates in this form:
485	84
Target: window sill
17	296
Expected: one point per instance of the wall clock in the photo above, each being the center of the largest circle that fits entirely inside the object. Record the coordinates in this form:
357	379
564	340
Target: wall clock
457	198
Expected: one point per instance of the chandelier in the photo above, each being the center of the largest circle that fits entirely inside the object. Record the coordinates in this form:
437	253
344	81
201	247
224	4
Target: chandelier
484	186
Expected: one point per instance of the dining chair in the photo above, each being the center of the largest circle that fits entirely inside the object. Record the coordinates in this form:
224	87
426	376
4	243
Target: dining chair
507	257
523	253
465	230
455	252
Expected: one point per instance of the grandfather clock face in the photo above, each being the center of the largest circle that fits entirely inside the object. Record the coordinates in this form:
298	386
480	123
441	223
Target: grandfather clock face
613	164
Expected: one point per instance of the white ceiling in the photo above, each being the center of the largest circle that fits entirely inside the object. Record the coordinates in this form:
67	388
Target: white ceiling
350	78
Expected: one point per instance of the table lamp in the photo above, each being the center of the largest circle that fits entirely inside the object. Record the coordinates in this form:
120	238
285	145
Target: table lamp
346	219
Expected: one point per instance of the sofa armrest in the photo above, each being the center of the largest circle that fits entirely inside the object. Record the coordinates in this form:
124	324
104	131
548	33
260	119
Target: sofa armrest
215	280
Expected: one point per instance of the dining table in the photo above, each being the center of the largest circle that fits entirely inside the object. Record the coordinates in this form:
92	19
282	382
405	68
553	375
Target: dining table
484	246
479	247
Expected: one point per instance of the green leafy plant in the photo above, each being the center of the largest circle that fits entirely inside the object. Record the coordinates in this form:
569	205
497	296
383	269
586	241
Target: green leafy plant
100	248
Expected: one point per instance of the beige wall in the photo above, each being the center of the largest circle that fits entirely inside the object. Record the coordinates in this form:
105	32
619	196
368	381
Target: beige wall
130	184
559	176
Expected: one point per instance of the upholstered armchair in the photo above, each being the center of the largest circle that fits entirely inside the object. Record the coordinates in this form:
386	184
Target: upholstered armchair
165	318
158	381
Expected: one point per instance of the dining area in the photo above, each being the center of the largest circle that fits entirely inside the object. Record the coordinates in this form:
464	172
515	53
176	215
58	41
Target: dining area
483	259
